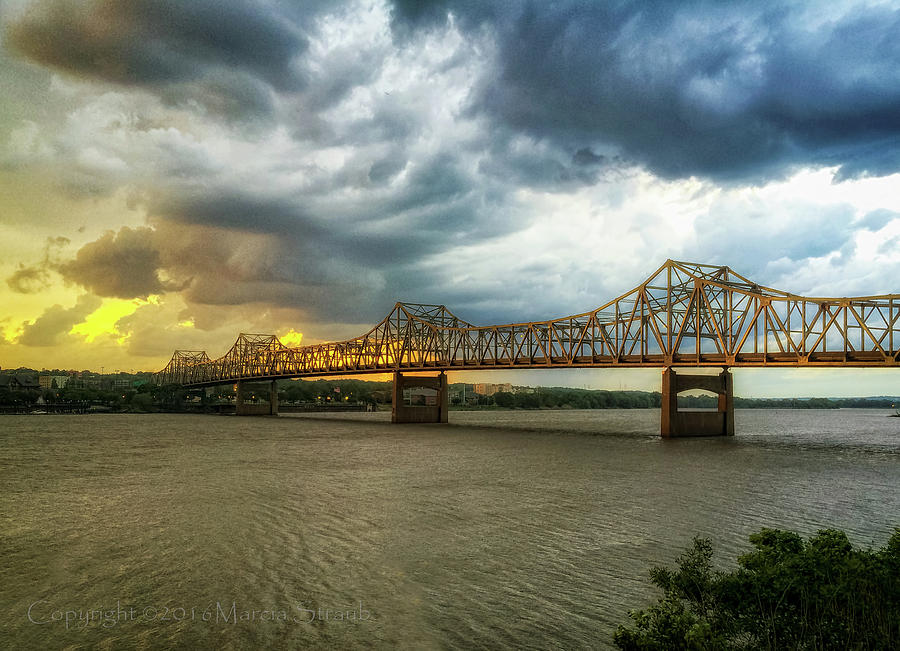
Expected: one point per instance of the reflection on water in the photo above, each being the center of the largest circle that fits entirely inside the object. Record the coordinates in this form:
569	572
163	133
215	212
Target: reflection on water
517	529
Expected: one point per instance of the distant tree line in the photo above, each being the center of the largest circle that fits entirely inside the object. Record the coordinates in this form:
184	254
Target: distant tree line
174	397
30	397
566	398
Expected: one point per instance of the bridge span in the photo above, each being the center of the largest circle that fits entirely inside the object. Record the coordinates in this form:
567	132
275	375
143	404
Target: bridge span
684	315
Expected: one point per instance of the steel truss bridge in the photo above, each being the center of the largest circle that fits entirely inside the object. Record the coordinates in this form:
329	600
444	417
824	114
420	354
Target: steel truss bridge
684	315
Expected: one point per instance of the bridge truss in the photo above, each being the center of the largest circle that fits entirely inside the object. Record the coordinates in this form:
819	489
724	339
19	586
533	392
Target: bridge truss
684	314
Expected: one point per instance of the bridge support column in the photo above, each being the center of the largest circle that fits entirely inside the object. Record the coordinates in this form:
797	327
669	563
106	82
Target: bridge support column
242	408
239	398
675	423
417	399
273	398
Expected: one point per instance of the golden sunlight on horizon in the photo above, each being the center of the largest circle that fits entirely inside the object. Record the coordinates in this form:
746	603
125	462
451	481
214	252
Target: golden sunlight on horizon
291	338
104	320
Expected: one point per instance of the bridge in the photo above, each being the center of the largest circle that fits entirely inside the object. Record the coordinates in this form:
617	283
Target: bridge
684	315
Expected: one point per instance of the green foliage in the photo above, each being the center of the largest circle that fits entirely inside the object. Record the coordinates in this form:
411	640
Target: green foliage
142	401
787	593
169	396
322	390
504	399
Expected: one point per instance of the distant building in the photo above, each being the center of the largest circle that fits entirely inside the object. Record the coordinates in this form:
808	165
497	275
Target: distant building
53	381
487	389
457	397
420	396
84	382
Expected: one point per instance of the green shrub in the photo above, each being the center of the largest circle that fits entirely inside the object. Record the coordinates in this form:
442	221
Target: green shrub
786	594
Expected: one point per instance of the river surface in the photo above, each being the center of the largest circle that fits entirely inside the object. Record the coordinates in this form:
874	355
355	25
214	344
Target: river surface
519	529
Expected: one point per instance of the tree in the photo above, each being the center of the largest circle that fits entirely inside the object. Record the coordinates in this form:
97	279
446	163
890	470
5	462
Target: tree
787	593
142	401
504	399
169	396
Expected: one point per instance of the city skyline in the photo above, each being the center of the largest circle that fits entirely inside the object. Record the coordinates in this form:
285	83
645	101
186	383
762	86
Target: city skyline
175	174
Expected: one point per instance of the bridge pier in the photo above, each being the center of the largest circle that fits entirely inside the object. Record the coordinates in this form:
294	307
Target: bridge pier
429	405
675	423
241	408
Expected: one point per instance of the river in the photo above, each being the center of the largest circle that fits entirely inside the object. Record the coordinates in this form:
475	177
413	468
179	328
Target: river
517	529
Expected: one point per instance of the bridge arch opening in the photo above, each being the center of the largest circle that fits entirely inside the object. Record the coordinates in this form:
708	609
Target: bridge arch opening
697	400
419	399
676	422
256	399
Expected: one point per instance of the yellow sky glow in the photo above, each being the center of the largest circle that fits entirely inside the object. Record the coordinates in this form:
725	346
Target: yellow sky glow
103	320
291	338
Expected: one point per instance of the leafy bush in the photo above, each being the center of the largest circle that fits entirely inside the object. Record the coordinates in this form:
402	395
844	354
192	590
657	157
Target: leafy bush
786	594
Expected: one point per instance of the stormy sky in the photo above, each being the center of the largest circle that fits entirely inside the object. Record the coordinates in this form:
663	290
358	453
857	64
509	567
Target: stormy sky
173	173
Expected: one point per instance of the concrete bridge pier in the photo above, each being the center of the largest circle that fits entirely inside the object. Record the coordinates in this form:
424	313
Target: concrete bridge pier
242	408
675	423
273	399
418	399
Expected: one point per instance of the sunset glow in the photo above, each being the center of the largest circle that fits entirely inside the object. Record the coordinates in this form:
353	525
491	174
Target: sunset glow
291	338
104	320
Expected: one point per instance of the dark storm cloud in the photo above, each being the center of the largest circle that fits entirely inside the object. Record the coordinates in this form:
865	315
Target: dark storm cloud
547	168
410	15
56	321
220	266
439	204
586	158
382	162
377	232
241	209
384	169
319	250
30	279
230	50
122	265
729	91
